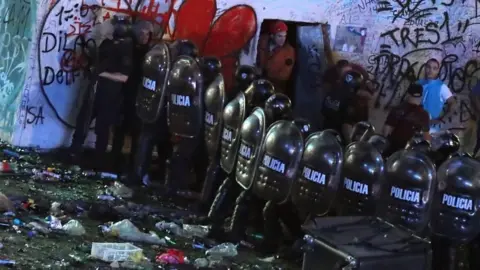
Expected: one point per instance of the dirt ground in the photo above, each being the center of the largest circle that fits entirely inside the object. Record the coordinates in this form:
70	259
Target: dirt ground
57	250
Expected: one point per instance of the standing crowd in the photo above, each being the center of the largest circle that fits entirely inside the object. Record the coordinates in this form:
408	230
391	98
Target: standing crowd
349	91
130	67
118	74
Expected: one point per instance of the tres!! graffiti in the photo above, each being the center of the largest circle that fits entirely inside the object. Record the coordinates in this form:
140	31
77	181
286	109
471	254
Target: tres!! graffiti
428	30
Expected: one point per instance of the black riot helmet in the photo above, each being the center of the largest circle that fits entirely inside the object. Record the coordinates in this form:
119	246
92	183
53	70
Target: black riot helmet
448	142
418	143
278	107
122	27
211	67
244	76
184	47
361	131
379	142
444	144
353	79
258	92
336	134
304	126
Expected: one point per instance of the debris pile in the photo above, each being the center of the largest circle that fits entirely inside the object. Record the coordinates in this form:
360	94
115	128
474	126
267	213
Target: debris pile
57	216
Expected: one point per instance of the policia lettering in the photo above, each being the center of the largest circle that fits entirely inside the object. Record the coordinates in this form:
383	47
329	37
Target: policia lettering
245	151
356	187
405	194
149	84
457	202
314	176
179	100
227	135
273	164
209	118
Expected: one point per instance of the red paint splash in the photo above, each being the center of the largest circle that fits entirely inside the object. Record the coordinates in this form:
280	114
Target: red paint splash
195	21
223	38
73	61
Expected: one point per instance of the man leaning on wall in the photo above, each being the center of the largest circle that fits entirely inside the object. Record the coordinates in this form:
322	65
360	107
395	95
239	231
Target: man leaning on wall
436	94
131	124
113	69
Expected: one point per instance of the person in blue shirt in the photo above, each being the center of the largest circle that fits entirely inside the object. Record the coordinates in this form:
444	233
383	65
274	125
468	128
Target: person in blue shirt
475	104
435	94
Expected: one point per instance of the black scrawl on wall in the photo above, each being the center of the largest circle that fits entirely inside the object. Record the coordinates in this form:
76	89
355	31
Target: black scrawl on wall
422	35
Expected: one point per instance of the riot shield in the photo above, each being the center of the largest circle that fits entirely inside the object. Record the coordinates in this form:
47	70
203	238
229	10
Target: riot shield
407	190
233	116
456	203
213	123
185	103
252	134
316	186
361	174
278	162
150	97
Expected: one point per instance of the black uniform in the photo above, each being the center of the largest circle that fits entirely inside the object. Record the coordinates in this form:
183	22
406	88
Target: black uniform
276	170
216	97
151	107
338	101
114	57
185	118
252	133
234	114
130	123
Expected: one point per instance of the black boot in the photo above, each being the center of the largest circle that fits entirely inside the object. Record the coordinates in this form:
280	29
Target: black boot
239	220
212	180
180	165
142	160
220	207
474	250
272	230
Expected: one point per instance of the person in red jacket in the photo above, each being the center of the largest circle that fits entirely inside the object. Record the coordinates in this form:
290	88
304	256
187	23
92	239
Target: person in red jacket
407	119
275	56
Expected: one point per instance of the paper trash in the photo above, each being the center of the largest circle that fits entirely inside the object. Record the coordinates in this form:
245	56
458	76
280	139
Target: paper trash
114	252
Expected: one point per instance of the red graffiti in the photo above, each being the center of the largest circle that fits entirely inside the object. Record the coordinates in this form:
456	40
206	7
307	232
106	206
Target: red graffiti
73	61
223	37
148	11
79	28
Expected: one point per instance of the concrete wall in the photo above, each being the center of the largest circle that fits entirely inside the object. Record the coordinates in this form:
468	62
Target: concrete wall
392	39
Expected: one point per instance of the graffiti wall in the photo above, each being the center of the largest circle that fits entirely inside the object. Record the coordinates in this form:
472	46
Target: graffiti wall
392	39
402	35
16	32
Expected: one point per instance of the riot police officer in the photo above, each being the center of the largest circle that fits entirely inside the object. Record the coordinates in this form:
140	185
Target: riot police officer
151	107
130	123
216	98
211	70
315	188
362	170
455	212
185	94
347	104
233	116
277	167
277	107
244	76
444	144
113	69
